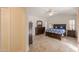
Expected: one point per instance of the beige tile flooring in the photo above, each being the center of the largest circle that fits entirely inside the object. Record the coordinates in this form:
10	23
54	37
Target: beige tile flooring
42	43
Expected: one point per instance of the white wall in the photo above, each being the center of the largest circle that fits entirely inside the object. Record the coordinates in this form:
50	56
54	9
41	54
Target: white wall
56	19
34	19
60	19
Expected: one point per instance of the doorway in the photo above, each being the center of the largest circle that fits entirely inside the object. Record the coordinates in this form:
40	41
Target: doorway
30	33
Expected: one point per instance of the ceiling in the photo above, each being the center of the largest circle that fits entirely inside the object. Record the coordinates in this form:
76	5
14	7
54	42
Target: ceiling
43	11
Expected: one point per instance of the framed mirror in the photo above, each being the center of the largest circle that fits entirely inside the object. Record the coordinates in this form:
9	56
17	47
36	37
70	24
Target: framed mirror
39	23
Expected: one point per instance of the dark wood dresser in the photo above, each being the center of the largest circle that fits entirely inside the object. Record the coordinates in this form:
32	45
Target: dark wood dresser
39	30
71	33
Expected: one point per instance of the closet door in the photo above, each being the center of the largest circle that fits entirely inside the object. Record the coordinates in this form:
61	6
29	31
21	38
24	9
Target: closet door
18	29
5	29
13	29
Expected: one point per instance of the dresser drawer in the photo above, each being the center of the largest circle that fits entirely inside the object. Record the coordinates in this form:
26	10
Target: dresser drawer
39	30
71	33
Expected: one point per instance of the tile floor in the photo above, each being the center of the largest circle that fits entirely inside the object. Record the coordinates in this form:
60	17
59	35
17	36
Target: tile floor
42	43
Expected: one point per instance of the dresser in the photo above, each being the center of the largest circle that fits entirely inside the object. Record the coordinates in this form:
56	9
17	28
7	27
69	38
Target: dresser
39	30
71	33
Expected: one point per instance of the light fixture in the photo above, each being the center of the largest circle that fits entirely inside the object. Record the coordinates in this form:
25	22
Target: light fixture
51	12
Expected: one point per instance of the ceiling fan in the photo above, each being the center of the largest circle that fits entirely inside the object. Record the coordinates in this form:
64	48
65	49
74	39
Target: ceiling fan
48	13
51	12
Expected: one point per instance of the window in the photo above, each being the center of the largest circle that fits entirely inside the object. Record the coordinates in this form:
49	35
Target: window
50	26
72	24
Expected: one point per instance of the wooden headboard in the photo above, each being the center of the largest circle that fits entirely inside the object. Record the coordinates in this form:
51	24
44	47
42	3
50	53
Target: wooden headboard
59	26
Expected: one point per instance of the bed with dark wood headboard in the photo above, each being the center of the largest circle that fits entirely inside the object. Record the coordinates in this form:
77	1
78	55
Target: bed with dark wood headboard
59	26
58	31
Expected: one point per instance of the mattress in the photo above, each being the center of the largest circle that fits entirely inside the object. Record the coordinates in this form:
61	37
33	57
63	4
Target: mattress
57	31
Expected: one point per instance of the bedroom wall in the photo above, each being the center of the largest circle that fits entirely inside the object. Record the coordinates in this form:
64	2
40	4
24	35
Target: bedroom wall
77	26
34	14
34	19
56	19
60	19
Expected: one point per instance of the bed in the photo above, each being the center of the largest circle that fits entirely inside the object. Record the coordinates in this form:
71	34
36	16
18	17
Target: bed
57	31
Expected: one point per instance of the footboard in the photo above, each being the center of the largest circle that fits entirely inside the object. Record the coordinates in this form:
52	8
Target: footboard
53	35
